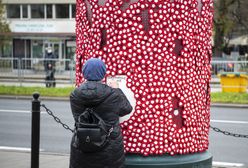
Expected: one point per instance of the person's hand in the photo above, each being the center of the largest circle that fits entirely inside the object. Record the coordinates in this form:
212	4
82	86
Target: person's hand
112	83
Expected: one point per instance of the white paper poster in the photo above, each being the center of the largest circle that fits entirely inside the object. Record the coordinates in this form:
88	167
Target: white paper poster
129	94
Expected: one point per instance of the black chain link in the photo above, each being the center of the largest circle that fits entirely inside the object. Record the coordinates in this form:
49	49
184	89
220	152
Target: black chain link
68	128
56	118
229	133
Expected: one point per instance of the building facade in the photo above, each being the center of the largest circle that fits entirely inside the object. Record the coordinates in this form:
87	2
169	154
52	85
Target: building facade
38	24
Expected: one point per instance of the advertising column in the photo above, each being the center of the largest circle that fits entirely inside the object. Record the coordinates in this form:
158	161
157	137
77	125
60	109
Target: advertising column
162	50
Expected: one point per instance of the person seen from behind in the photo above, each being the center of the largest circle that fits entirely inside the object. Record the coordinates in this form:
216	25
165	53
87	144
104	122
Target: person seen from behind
49	66
49	59
109	103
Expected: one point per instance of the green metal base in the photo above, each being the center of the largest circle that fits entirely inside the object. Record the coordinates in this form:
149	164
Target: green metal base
196	160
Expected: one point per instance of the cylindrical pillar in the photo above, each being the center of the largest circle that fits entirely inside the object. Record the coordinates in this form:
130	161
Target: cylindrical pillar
35	133
164	49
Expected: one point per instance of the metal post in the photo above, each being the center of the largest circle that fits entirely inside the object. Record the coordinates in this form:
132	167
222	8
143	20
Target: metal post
35	134
19	71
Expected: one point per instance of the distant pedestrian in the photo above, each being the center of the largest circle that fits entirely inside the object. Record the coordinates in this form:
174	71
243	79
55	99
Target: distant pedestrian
49	66
109	102
49	58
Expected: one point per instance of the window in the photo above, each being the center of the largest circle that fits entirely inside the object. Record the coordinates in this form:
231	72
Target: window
6	49
24	11
37	11
49	11
62	10
73	10
37	47
13	11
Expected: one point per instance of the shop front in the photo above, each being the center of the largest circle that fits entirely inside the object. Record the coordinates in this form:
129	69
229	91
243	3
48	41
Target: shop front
31	50
36	26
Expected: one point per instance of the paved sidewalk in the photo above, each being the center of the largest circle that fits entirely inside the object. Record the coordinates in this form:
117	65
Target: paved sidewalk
18	159
14	159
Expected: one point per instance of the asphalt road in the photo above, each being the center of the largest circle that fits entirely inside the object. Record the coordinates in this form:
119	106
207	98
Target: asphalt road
15	129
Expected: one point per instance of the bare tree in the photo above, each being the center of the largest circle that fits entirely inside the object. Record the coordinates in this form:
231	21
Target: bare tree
230	17
4	27
240	15
223	24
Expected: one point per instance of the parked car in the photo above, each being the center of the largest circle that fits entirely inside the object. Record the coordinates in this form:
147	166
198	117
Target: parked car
220	64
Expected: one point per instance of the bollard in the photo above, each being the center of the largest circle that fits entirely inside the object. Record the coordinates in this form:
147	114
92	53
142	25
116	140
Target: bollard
35	133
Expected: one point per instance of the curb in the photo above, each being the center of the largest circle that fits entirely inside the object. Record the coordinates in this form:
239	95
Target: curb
40	153
229	105
67	99
30	98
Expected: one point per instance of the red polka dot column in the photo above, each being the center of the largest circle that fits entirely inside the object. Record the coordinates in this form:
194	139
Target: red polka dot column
164	49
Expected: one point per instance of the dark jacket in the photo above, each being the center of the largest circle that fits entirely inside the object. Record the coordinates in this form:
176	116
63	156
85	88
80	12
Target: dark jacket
49	59
109	104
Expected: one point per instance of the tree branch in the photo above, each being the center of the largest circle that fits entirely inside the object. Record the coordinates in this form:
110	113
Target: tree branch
231	2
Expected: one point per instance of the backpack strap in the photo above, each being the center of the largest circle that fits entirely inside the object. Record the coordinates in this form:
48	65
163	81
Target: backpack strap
110	131
107	130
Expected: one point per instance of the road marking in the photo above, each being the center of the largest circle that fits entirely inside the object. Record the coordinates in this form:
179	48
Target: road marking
17	111
230	122
17	149
227	164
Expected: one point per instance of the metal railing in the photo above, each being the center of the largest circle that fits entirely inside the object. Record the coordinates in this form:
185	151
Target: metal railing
26	69
237	67
34	69
228	66
35	64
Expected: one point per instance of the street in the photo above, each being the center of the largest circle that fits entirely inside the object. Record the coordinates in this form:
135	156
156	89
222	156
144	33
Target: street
15	129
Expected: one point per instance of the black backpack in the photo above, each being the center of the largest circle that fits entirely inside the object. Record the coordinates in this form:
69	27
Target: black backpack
92	133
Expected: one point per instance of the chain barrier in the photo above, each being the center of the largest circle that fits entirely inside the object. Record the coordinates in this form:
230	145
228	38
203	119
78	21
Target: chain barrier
49	112
229	133
68	128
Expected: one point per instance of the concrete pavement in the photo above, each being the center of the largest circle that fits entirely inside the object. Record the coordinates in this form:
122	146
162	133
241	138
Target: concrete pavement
18	159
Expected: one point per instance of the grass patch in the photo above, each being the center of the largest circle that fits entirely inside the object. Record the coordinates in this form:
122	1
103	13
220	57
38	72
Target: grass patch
216	97
237	98
28	91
